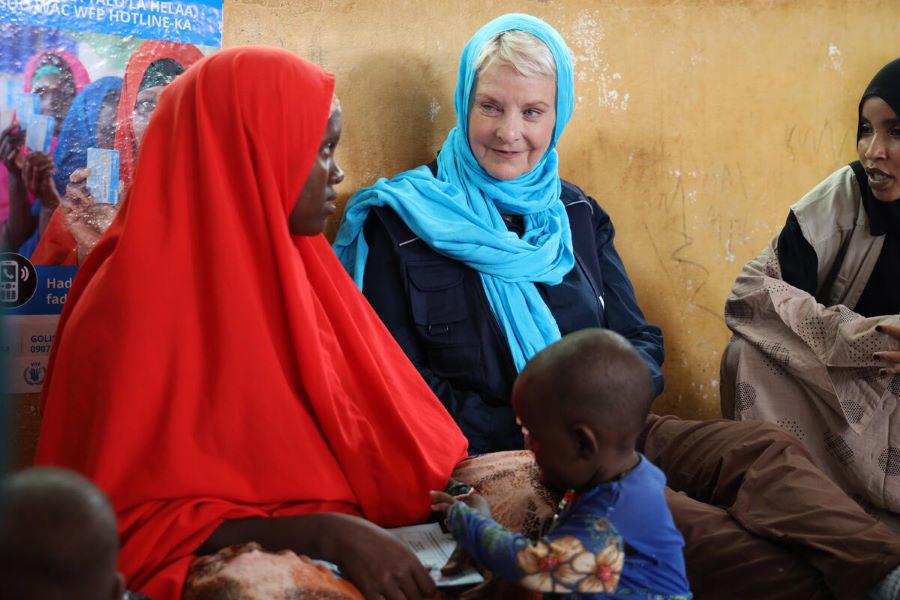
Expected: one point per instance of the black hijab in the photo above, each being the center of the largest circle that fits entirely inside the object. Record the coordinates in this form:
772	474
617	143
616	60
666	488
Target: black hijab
798	259
885	85
881	295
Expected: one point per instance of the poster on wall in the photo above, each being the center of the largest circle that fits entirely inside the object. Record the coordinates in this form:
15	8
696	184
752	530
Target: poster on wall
79	80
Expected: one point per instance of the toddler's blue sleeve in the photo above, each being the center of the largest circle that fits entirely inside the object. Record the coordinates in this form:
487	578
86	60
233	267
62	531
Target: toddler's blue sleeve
584	555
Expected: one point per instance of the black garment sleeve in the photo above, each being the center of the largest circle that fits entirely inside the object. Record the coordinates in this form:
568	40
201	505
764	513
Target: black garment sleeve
488	428
798	260
623	315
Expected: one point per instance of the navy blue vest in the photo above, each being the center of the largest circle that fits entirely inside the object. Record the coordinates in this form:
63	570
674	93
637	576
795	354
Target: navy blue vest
460	339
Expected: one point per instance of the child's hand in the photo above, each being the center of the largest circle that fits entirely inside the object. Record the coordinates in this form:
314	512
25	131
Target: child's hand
441	501
478	502
458	562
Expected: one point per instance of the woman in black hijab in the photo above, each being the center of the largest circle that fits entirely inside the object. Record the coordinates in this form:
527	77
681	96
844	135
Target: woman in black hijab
816	316
877	175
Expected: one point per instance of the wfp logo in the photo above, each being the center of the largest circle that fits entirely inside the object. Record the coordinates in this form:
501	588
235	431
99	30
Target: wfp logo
34	374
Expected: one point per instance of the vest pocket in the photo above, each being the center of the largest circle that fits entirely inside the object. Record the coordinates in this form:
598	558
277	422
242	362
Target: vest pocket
437	296
439	308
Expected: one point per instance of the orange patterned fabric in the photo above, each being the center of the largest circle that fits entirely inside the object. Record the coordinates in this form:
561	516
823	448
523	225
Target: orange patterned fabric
510	481
250	573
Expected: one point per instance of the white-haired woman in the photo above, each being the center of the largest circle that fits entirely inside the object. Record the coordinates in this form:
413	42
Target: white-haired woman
489	228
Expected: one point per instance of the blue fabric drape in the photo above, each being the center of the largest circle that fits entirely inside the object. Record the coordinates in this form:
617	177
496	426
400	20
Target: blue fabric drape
79	129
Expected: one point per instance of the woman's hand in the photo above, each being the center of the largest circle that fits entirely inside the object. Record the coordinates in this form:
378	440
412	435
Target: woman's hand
11	140
37	171
87	220
380	565
892	357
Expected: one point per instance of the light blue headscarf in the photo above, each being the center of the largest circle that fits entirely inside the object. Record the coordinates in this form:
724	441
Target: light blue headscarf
458	213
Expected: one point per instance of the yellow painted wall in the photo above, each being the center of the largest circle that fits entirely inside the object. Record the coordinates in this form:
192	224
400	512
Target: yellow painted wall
698	122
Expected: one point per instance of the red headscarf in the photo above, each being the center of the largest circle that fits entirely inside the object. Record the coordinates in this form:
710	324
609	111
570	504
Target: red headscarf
57	246
80	77
147	54
208	364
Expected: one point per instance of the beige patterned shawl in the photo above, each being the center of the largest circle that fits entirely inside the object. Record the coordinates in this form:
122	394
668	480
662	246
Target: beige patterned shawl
809	368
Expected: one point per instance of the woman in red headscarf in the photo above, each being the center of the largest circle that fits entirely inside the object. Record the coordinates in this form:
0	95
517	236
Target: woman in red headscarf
152	66
216	371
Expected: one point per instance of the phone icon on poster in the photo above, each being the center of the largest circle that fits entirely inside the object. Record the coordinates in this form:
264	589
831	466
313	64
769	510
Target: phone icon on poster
18	280
9	281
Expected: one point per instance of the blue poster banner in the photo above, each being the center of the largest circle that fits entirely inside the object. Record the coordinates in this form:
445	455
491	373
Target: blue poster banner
191	22
71	59
31	299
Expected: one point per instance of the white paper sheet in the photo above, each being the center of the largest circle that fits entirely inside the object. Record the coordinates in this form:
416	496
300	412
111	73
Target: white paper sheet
433	547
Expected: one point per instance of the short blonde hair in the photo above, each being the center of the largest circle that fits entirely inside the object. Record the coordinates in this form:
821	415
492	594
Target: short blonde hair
519	49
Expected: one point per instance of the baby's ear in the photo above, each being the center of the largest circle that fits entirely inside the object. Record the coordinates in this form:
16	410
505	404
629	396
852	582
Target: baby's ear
586	440
118	592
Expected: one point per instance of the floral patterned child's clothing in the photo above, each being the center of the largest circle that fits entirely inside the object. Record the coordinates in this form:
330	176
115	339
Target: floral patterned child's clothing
617	540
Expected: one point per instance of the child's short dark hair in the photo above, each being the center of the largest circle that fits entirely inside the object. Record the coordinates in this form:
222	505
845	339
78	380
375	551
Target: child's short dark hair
598	372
